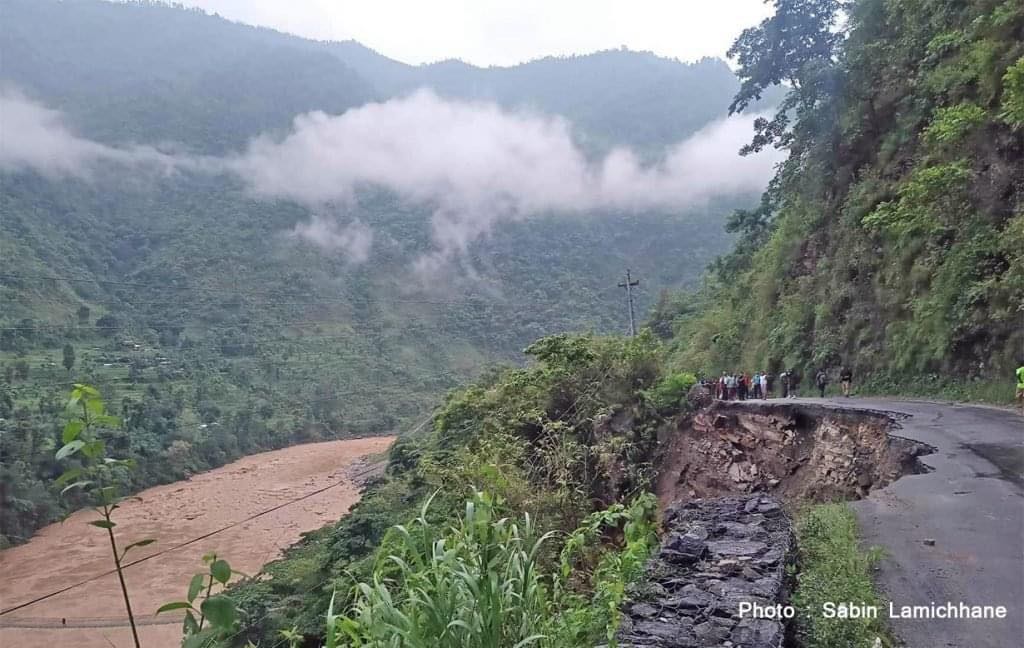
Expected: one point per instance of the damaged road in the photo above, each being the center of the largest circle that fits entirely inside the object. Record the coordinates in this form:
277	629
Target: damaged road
955	532
940	487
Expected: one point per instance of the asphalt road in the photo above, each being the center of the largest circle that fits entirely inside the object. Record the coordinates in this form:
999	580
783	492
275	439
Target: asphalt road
956	533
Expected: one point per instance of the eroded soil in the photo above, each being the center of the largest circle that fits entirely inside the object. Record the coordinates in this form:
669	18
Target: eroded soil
796	452
63	554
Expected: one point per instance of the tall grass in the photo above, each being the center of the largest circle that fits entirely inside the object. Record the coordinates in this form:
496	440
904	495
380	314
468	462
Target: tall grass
481	582
833	568
476	586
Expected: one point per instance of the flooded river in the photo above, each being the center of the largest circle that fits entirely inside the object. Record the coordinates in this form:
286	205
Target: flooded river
91	615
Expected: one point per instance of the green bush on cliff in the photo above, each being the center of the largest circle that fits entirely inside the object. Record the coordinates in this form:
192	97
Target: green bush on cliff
889	239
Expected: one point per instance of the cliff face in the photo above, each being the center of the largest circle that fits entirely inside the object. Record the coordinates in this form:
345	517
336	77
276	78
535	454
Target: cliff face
892	239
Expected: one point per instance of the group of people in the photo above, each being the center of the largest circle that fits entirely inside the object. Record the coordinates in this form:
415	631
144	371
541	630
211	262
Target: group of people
740	385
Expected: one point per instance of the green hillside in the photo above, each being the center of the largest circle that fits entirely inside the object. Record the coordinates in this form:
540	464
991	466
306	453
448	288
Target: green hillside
212	328
893	237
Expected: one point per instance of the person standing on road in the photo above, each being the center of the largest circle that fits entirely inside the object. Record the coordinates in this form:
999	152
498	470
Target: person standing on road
764	385
1020	385
784	379
846	378
821	380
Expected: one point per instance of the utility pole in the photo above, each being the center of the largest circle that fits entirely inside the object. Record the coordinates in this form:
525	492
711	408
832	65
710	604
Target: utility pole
629	300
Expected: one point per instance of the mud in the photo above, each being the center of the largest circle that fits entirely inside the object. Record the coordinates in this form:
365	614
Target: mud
92	615
796	452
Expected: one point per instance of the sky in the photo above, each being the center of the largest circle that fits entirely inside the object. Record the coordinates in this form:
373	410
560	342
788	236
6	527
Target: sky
506	32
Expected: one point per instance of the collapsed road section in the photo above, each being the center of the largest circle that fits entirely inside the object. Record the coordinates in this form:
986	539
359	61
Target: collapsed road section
725	475
717	556
798	452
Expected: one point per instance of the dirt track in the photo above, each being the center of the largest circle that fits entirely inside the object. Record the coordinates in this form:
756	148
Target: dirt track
63	554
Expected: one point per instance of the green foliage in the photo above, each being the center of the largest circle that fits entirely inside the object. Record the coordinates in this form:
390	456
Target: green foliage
591	585
952	123
474	585
796	45
669	392
219	609
927	203
1013	94
94	475
834	569
482	582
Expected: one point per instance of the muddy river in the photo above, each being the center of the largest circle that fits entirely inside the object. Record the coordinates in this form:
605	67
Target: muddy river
91	615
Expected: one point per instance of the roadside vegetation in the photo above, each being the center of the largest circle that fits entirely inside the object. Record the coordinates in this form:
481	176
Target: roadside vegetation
834	568
562	449
891	238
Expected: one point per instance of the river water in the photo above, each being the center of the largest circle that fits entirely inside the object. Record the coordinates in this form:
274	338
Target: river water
92	615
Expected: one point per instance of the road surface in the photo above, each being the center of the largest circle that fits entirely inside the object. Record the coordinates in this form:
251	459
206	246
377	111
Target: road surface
956	533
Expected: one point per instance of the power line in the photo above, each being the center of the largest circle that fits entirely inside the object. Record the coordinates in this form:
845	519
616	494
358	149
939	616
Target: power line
182	545
137	322
78	623
232	291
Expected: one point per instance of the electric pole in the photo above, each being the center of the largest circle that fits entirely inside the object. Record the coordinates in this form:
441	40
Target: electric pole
629	300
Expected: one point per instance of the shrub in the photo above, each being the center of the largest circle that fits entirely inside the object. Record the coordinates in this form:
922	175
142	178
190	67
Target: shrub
670	391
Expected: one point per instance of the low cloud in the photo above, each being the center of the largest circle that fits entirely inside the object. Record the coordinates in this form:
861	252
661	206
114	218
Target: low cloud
353	240
476	164
472	164
35	137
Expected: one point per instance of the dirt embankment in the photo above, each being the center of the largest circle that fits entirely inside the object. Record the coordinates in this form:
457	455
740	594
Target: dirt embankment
313	482
794	451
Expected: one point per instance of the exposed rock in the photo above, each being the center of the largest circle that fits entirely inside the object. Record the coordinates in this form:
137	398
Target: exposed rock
683	548
793	450
716	554
699	396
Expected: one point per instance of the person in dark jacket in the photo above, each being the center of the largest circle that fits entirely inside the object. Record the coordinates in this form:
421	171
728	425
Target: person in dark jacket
821	380
846	379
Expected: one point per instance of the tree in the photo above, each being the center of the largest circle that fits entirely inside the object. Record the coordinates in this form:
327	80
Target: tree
797	46
69	357
108	325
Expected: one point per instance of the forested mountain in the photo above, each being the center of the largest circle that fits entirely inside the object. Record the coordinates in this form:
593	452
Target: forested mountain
149	72
220	320
892	239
